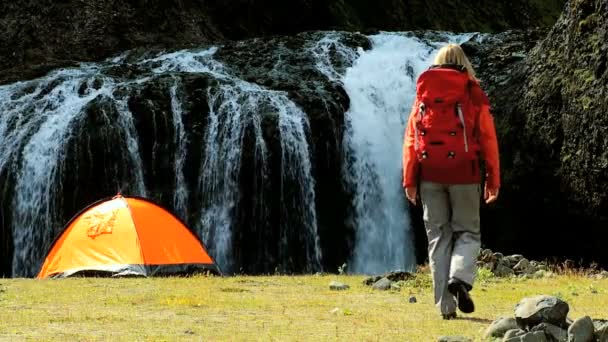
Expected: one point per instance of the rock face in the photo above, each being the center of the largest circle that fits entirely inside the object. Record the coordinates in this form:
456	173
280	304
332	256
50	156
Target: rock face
40	35
549	101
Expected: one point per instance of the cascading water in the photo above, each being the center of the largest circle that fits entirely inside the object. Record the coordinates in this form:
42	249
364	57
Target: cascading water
39	118
180	198
381	87
233	107
247	140
35	126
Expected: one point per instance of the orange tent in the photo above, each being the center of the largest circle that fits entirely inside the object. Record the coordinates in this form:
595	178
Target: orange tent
126	236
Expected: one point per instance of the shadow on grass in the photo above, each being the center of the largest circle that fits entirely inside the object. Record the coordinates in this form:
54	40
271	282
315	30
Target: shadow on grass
475	319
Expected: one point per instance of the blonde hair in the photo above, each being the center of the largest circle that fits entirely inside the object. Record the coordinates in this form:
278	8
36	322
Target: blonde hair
453	54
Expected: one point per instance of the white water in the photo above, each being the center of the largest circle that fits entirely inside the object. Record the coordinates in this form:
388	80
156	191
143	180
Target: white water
235	106
381	87
35	127
293	125
40	120
180	198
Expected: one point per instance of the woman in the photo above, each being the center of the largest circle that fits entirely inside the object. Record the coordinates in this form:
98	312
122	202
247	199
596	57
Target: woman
441	156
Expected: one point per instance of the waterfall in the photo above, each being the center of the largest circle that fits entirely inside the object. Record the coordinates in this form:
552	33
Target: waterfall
246	138
293	126
231	110
34	127
233	107
41	116
180	198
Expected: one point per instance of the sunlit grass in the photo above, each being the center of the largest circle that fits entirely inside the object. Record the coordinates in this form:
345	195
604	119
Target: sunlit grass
266	308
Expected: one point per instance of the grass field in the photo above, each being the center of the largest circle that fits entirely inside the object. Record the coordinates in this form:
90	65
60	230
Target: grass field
265	308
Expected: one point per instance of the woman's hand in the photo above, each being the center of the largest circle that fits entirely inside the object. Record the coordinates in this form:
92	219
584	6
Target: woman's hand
490	194
411	192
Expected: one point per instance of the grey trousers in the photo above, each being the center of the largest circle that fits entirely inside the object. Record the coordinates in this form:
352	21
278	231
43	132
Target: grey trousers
451	219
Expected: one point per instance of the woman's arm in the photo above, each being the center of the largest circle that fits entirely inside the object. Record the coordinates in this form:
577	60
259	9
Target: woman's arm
489	148
410	161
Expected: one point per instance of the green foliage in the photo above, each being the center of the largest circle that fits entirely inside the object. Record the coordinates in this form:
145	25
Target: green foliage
421	281
485	275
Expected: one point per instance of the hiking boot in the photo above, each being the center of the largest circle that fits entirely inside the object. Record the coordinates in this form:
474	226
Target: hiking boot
449	316
460	291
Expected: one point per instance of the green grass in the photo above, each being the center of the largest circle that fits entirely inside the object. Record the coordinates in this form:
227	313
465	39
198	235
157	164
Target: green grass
265	308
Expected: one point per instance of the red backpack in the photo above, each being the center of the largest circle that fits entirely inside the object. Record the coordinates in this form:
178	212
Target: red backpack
447	123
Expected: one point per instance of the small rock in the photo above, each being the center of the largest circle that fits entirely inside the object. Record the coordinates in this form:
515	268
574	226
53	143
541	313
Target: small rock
382	284
582	330
558	334
499	327
524	267
338	286
454	339
334	311
189	332
498	255
502	270
534	336
412	299
513	333
601	330
393	276
532	311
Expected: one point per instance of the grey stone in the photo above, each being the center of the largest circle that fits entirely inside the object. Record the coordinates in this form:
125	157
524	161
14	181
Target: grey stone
382	284
501	270
513	333
556	333
512	260
338	286
454	339
533	336
582	330
532	311
524	267
395	286
601	330
393	276
499	327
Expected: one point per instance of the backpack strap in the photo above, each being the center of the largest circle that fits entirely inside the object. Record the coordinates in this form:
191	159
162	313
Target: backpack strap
419	114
